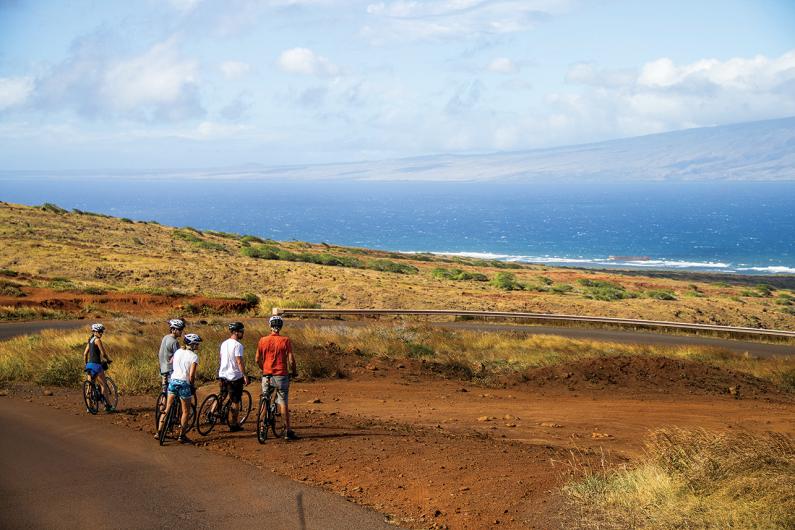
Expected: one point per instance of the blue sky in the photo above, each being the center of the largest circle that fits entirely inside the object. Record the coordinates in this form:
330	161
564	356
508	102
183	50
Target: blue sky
200	83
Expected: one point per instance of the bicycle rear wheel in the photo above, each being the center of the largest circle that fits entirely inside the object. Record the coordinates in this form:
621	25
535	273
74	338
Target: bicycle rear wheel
208	415
191	415
90	398
262	420
113	398
277	420
245	407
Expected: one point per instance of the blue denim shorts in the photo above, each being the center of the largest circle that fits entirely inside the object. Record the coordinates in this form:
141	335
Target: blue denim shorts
96	368
180	387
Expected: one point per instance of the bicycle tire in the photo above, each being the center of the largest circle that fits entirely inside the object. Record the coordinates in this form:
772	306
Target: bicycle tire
160	407
277	420
89	398
207	416
113	399
245	407
191	415
167	423
263	420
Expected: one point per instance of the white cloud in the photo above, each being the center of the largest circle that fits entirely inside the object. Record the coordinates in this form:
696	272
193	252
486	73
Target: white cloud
662	95
234	69
304	61
502	65
157	85
14	91
158	77
450	18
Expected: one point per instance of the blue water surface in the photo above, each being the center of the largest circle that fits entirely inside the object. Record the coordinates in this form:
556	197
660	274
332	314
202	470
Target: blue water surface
728	226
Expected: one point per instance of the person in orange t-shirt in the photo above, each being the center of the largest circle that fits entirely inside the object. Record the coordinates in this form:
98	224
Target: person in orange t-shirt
275	357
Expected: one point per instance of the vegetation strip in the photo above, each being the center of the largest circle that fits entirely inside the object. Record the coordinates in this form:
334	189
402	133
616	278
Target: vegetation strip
538	316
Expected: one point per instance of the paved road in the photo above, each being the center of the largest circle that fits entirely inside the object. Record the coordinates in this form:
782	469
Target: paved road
59	470
761	349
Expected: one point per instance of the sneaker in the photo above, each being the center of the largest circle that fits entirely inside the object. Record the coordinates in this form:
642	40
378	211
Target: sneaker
236	428
290	435
185	440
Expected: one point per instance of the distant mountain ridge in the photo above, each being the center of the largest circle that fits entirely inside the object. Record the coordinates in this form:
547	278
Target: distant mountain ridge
752	151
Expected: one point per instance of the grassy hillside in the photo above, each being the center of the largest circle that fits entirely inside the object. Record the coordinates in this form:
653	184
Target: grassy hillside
79	252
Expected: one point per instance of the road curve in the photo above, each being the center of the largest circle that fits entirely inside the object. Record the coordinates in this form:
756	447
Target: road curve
760	349
61	470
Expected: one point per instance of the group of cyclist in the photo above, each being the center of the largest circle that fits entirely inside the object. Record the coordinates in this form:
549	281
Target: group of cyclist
178	367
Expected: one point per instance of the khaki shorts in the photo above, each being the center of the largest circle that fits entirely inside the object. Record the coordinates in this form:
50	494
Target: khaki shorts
279	382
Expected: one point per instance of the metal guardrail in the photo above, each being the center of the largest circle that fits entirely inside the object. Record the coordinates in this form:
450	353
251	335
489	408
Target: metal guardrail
660	324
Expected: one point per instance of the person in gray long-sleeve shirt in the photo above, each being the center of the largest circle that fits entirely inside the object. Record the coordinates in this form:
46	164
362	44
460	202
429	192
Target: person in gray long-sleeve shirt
168	346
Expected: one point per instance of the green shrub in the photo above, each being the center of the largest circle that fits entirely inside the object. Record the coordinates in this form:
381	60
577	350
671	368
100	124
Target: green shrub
93	290
562	288
384	265
226	235
126	220
605	294
52	208
661	295
9	273
8	288
251	299
506	281
457	275
416	350
585	282
252	239
61	284
187	236
545	280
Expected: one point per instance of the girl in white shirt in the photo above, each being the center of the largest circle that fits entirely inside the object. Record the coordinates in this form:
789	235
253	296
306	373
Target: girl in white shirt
185	361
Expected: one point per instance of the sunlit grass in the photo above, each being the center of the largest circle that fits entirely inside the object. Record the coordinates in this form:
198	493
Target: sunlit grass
694	479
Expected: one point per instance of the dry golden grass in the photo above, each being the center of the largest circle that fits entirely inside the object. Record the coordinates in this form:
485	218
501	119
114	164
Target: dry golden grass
107	253
695	479
55	357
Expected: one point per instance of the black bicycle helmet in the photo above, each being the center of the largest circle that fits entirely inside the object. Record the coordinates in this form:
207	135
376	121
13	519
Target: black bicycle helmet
236	326
276	322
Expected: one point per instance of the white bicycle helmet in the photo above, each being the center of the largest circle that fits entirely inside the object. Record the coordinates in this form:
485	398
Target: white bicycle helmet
176	323
97	327
191	339
276	322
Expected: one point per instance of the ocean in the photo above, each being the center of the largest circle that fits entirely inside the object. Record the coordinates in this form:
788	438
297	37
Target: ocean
737	227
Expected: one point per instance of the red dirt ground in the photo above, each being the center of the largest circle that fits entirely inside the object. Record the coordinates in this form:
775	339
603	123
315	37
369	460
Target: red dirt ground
129	303
435	453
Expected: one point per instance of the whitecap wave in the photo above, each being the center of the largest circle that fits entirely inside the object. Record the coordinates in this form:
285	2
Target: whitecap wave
771	270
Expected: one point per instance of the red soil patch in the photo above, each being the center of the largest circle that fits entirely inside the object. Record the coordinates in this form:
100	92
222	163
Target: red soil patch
131	303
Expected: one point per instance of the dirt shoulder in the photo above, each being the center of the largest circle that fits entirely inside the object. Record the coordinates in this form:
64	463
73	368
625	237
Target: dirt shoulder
432	453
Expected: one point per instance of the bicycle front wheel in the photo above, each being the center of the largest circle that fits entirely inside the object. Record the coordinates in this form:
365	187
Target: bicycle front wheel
208	415
90	397
245	407
113	398
166	426
262	420
160	408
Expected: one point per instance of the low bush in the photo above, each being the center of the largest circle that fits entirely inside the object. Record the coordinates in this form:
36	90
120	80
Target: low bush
64	369
9	273
506	281
661	295
458	275
385	265
562	288
53	208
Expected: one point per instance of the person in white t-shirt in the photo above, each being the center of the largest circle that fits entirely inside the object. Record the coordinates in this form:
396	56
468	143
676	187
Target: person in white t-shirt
185	361
232	372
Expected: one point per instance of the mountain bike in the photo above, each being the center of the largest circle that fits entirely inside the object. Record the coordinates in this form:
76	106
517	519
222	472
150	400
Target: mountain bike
217	408
269	417
171	424
160	407
93	397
